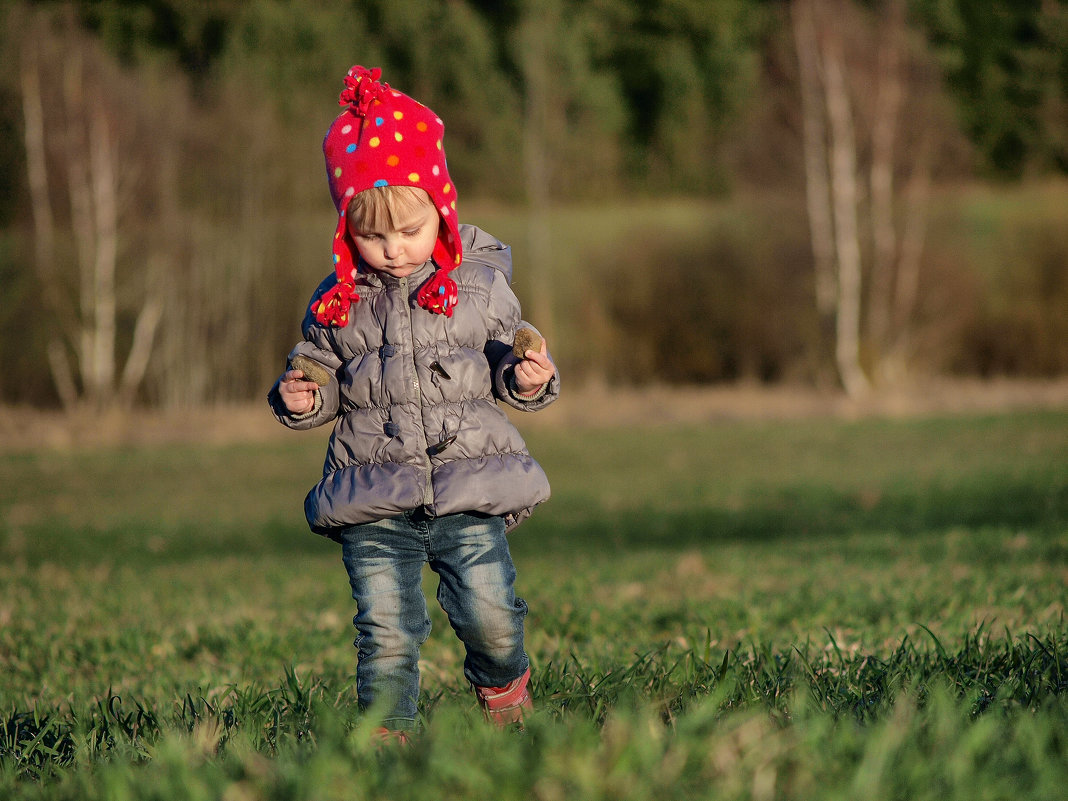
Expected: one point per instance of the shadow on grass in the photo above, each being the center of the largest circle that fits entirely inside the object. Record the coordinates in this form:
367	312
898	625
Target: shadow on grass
807	512
572	525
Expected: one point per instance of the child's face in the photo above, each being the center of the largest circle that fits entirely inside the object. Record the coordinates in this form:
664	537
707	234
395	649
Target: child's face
400	248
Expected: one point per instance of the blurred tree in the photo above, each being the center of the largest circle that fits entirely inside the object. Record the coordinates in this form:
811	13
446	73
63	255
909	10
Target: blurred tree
211	189
858	72
1007	63
445	55
195	33
573	103
571	121
831	172
247	176
684	68
78	149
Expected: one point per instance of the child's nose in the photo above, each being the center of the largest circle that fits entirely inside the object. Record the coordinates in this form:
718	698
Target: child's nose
391	248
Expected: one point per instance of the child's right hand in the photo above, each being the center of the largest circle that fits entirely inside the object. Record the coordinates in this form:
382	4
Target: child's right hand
297	394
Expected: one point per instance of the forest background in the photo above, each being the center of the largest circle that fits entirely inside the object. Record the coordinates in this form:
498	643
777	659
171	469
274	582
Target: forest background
818	192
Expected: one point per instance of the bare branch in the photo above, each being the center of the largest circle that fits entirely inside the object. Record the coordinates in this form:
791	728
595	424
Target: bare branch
144	335
62	374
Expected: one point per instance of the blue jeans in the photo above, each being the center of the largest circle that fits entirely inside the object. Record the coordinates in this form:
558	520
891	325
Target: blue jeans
476	576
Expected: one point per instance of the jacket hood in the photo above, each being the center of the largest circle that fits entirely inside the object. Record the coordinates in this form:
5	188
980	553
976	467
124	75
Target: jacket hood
486	249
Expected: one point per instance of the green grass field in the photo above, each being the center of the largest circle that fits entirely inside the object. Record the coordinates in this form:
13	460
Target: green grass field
813	609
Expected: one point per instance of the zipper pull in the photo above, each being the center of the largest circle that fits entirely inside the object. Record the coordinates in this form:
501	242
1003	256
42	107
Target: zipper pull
434	450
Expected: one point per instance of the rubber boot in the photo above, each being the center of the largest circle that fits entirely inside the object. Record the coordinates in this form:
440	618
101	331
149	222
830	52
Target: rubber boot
385	737
506	705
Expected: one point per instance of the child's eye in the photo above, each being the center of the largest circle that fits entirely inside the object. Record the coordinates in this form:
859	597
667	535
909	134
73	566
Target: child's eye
412	232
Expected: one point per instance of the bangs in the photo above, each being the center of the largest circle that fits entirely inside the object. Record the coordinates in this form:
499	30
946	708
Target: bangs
384	207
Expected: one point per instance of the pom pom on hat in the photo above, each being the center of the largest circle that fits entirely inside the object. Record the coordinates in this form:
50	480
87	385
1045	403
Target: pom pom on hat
385	138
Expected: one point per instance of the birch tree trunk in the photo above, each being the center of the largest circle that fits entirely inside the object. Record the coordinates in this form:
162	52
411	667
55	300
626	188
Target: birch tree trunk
81	207
872	313
105	256
814	132
898	235
817	185
844	197
92	187
41	209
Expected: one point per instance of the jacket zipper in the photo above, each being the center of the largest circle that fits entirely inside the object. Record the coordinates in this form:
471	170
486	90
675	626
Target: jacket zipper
428	485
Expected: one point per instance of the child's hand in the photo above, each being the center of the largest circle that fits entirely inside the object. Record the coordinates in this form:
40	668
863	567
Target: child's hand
297	394
534	371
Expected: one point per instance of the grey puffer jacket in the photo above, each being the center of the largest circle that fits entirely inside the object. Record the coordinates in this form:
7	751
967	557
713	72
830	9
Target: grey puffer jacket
414	398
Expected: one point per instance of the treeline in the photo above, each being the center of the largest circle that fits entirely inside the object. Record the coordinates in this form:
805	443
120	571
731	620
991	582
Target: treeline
164	209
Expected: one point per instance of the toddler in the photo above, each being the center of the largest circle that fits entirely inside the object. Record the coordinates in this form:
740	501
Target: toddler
408	347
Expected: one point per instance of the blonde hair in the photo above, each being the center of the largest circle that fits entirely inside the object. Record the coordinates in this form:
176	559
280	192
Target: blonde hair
381	207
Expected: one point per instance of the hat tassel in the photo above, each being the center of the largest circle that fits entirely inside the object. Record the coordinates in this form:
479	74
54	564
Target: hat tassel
438	295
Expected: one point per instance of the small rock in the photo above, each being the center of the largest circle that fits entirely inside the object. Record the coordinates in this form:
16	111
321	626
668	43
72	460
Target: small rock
313	371
525	339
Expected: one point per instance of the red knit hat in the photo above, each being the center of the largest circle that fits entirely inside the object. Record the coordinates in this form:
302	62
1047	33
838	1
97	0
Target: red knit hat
385	138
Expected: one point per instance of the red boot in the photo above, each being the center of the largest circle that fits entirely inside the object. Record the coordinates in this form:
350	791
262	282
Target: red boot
508	704
385	737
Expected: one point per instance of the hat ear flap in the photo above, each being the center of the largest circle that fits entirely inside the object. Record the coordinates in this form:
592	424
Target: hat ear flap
443	255
345	253
333	307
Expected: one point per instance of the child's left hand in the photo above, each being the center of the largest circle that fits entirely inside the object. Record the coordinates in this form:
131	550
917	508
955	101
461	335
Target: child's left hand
534	370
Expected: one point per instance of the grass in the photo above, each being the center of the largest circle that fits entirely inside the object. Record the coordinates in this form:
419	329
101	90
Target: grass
804	609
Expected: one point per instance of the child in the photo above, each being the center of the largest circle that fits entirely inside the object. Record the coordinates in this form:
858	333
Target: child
410	342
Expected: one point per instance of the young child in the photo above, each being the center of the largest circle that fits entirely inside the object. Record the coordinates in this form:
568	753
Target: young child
410	347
